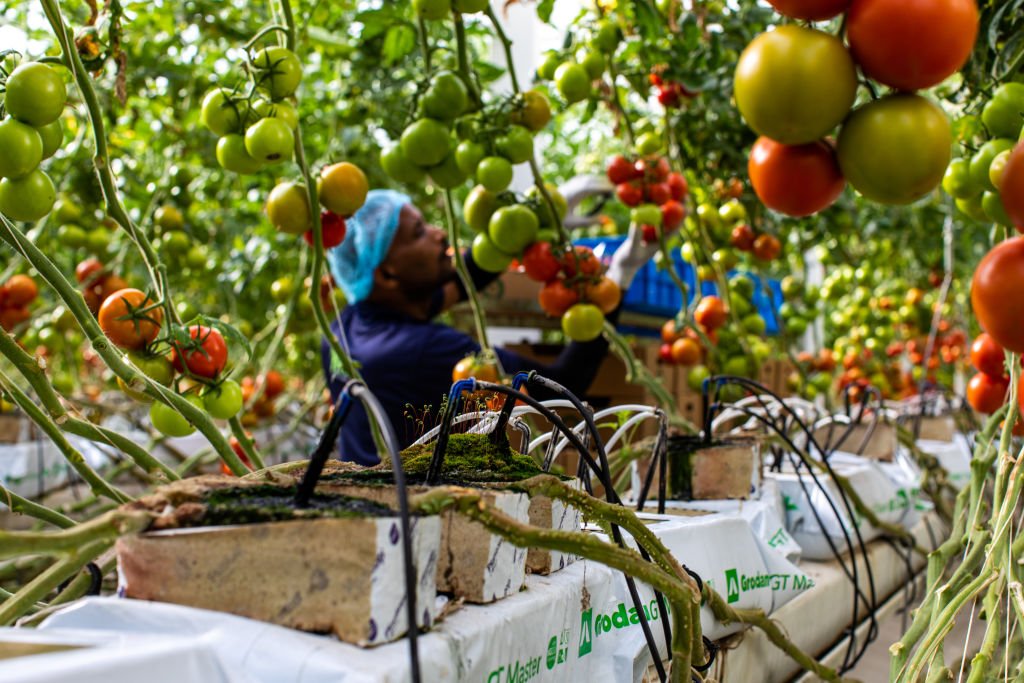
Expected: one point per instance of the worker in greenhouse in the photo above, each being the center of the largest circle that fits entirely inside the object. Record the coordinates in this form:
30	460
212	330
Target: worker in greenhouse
397	273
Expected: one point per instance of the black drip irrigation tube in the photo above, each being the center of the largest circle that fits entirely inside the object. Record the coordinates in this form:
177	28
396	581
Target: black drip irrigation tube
601	470
780	428
355	389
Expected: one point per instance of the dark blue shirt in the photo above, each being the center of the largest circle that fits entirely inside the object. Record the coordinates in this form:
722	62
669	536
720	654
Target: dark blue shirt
407	364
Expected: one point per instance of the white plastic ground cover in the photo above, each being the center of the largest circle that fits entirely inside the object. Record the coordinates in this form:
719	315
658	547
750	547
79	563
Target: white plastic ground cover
889	490
766	516
954	456
577	624
163	658
32	468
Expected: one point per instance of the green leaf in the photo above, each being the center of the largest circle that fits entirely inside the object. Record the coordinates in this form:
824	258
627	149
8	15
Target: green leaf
398	42
544	9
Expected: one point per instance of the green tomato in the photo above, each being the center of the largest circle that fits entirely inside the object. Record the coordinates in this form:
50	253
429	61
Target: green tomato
177	242
992	205
688	252
516	145
398	167
72	236
958	181
282	289
28	198
494	173
649	143
796	326
737	365
233	156
791	287
972	208
998	167
543	210
169	422
186	311
223	401
52	135
432	10
726	258
446	98
742	286
488	256
278	71
1002	114
478	208
447	174
22	146
278	110
572	82
696	376
982	160
98	240
606	39
795	84
468	156
709	218
196	257
36	94
513	228
732	212
223	113
270	141
594	64
739	305
426	142
813	295
646	214
471	6
548	67
583	322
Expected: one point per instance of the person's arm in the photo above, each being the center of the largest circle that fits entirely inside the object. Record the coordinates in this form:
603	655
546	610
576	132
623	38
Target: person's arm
575	368
454	292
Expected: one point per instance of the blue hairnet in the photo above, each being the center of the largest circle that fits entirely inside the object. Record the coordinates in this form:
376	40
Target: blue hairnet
367	240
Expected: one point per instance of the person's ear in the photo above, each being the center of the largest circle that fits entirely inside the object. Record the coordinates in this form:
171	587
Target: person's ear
384	277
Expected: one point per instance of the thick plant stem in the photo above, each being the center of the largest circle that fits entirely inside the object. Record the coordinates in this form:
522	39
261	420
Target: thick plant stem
112	357
29	368
68	542
35	590
23	506
98	485
467	281
506	45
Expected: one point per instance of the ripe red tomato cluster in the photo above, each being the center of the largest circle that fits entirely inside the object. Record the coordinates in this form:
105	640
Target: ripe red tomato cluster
681	347
650	180
986	390
670	93
15	296
273	385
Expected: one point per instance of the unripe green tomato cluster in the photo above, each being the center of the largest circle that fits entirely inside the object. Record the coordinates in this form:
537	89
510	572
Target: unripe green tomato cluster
34	101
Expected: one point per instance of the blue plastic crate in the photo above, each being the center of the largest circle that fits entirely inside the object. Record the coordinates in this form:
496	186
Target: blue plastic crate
653	292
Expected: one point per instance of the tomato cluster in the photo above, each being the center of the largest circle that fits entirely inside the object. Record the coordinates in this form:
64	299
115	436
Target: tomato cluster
270	385
15	296
986	390
650	180
794	85
574	74
34	101
670	94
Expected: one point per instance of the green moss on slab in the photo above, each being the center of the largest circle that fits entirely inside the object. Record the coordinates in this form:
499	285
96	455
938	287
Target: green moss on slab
269	503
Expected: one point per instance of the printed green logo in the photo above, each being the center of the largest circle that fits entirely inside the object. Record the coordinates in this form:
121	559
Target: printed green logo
552	652
586	632
732	586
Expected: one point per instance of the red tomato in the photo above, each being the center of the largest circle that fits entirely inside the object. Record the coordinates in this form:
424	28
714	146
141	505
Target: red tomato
669	333
658	193
207	357
540	263
995	294
686	351
88	269
986	394
13	316
630	194
665	353
710	313
987	356
649	234
620	170
555	298
911	44
1011	187
797	180
742	237
669	96
660	169
581	259
767	248
333	230
810	10
274	384
20	290
672	215
677	186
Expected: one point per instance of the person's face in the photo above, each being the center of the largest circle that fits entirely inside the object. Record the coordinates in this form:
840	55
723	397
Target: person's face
419	260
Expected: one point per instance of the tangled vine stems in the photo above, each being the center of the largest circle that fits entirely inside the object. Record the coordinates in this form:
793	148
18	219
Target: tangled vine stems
984	533
663	573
